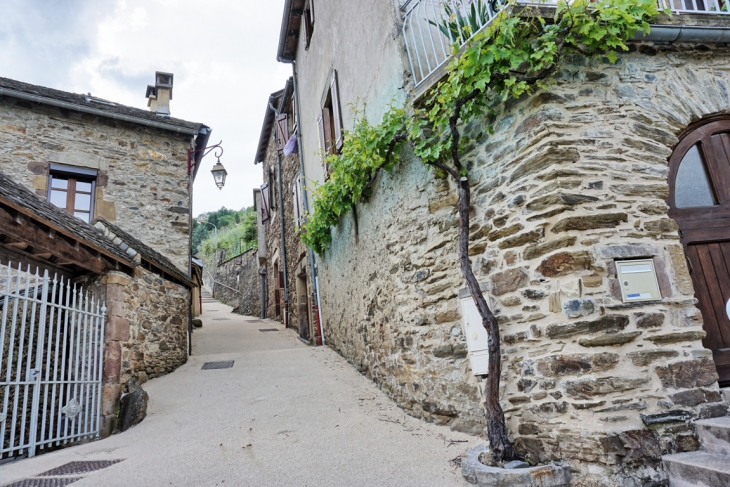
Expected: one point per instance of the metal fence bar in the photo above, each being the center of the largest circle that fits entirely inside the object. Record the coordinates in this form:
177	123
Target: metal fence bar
36	372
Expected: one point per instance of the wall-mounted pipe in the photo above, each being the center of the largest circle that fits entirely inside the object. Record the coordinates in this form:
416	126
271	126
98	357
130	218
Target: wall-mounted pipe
685	33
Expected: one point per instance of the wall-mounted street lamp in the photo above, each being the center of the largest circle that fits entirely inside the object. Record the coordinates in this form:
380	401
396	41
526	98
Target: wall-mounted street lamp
219	172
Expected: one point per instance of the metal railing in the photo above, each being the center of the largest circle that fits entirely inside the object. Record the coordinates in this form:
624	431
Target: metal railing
712	7
51	359
431	28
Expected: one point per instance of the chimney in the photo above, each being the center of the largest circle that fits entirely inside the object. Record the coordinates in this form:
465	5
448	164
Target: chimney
159	95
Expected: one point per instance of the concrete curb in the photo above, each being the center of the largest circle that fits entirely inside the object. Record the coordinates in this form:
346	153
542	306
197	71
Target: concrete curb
475	472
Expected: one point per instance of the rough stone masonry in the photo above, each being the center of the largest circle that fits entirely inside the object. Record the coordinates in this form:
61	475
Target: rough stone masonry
142	184
570	180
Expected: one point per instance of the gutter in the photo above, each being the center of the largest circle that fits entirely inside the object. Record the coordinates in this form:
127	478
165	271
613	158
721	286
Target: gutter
685	33
93	111
282	33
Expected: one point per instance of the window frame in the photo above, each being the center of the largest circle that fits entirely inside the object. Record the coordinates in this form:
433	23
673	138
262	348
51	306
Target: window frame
308	18
329	122
73	175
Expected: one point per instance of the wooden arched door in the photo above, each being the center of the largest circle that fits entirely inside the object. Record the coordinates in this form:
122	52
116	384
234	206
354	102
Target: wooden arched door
699	201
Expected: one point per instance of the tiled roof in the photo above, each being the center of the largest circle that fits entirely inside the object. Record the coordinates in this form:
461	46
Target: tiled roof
127	241
22	197
109	108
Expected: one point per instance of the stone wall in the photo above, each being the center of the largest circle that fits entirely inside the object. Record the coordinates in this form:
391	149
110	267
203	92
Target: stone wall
145	334
142	183
570	181
242	273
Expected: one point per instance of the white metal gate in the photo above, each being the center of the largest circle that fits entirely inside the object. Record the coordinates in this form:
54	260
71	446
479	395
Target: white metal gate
51	358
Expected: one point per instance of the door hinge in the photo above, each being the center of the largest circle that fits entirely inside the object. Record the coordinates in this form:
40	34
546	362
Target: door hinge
681	233
689	264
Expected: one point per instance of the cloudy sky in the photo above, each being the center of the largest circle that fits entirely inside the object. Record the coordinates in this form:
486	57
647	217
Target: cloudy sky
222	52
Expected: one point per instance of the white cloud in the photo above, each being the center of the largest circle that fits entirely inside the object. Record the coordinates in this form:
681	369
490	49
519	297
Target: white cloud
222	52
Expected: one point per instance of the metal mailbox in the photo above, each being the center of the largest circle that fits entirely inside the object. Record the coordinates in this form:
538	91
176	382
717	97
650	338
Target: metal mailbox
638	280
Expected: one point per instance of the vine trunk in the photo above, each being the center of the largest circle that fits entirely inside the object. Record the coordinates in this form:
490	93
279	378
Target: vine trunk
502	448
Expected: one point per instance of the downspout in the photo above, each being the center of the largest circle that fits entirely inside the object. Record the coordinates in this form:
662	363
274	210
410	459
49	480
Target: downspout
305	202
283	233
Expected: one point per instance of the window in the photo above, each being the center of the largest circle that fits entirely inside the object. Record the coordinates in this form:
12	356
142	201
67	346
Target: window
308	23
693	187
73	190
330	121
272	190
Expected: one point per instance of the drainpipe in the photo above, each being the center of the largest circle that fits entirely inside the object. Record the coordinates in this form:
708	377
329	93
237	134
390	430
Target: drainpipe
264	293
283	234
312	263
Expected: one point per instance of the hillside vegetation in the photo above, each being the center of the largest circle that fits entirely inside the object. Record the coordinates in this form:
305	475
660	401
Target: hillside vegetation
236	233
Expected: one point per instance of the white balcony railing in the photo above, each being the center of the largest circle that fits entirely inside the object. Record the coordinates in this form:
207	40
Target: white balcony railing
431	27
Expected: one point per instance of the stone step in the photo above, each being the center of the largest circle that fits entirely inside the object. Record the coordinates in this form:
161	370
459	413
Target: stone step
714	435
697	469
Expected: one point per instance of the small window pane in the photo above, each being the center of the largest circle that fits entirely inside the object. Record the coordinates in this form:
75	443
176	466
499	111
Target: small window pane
692	187
85	187
58	198
83	202
59	183
83	216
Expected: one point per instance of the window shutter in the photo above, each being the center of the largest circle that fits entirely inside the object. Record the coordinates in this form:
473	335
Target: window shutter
336	112
282	132
281	279
265	209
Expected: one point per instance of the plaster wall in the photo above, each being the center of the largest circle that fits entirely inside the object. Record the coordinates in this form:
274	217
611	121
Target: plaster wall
142	183
570	181
362	41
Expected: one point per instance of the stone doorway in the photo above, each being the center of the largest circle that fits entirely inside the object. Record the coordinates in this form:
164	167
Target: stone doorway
699	201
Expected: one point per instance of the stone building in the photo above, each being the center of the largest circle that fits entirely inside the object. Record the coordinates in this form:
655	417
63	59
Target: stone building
127	165
118	180
147	300
617	168
284	260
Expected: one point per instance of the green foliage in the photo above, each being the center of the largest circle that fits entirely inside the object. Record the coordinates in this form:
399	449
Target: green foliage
236	232
459	25
515	54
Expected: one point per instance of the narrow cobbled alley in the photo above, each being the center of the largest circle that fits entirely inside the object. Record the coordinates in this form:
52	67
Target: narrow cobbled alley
284	414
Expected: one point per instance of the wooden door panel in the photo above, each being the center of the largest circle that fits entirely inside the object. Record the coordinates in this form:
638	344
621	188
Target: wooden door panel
715	273
699	279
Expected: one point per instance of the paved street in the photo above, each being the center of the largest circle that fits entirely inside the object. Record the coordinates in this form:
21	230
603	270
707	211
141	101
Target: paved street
285	415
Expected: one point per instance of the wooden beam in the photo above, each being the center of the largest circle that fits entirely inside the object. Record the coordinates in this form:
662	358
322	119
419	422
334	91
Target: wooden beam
38	238
54	230
10	255
40	254
18	245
